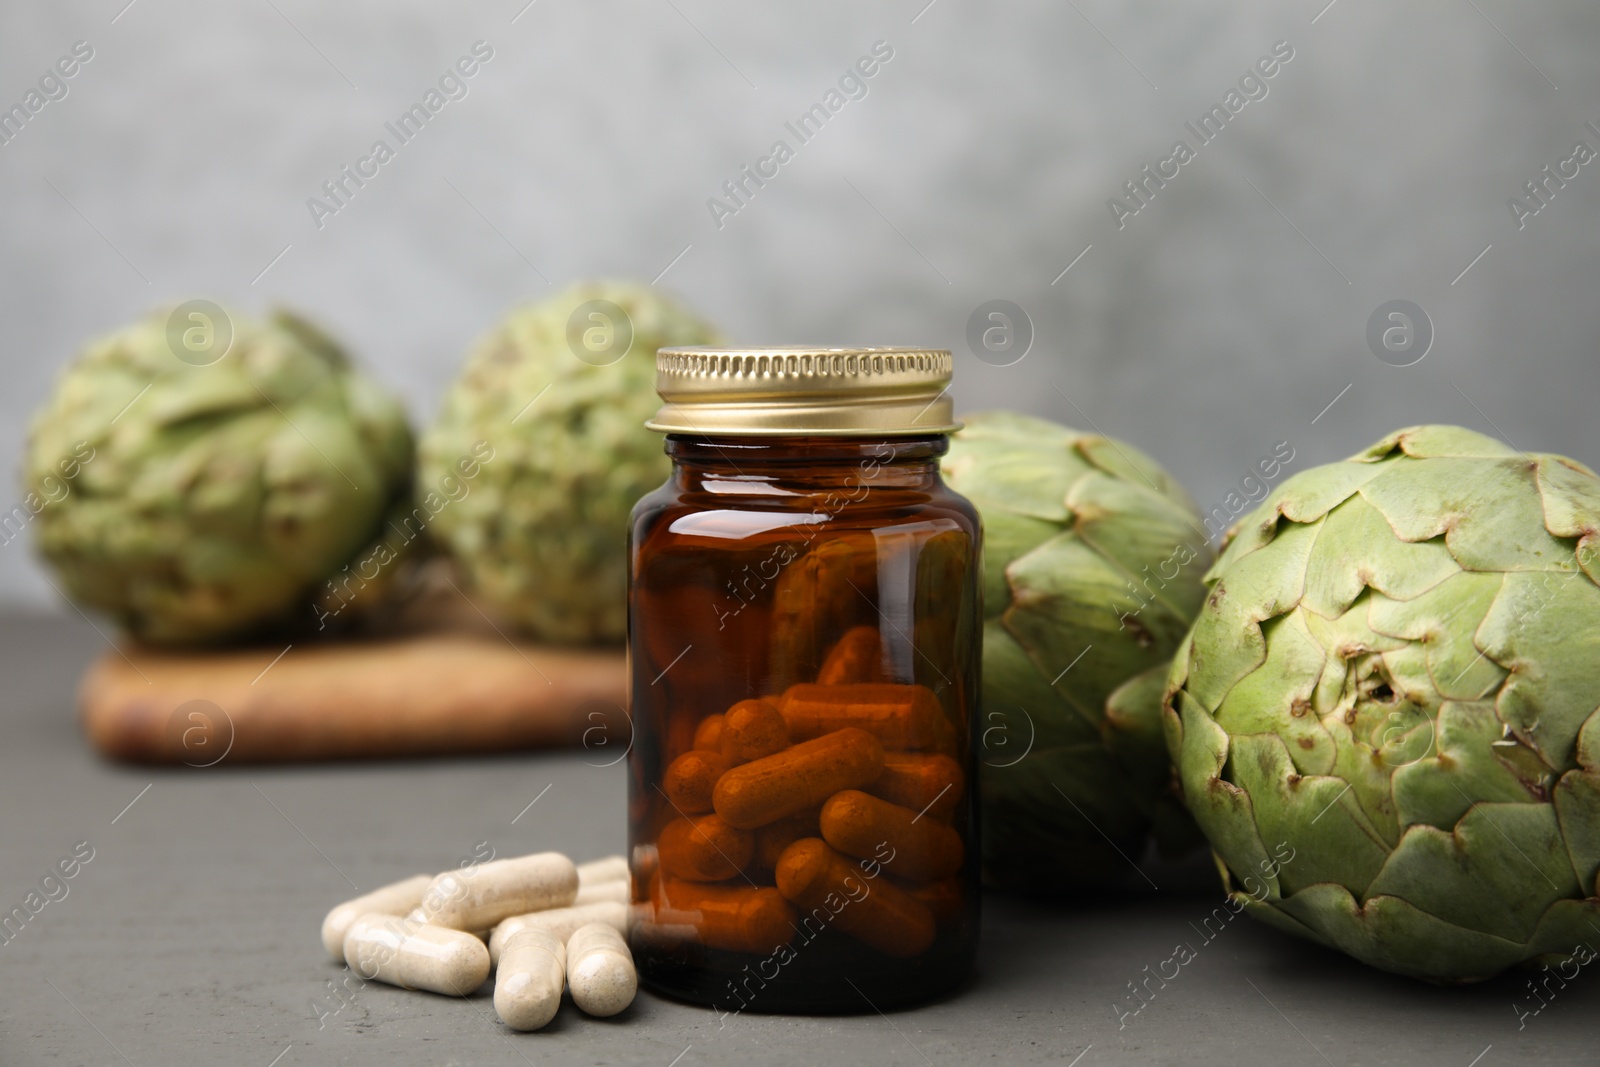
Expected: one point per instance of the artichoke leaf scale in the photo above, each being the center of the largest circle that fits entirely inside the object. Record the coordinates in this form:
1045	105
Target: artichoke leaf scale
1228	643
1351	634
1301	499
1588	550
1545	630
305	487
1427	442
200	395
1587	755
281	375
1027	466
1270	910
1331	835
1025	483
1497	871
1016	690
1391	933
1010	429
1132	525
1406	669
1318	816
1224	810
1490	513
1007	536
1576	798
1361	761
1357	549
228	495
312	340
1064	597
1443	622
1132	731
1461	767
1277	697
1562	927
1171	720
1128	465
1570	494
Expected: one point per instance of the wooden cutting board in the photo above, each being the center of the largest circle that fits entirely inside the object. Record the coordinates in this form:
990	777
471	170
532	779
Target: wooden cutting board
419	695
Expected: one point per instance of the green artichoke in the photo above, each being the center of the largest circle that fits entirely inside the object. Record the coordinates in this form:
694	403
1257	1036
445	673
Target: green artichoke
1092	565
1385	717
202	490
556	397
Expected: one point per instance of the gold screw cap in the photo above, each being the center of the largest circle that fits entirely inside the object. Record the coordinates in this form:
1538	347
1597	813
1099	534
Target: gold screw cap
799	391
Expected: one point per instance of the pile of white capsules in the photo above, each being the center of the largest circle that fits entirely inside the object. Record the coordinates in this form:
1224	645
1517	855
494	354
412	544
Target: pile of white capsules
548	924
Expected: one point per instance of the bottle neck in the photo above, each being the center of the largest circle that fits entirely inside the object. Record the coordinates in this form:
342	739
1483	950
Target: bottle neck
804	464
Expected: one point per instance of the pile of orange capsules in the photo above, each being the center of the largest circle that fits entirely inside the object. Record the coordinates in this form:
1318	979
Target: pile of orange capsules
784	802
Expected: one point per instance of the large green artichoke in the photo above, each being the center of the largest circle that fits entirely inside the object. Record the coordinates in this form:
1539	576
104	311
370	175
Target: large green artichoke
201	490
1092	565
557	395
1385	717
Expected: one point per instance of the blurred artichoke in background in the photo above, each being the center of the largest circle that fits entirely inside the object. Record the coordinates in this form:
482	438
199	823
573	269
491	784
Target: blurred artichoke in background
1385	718
1092	565
203	476
557	396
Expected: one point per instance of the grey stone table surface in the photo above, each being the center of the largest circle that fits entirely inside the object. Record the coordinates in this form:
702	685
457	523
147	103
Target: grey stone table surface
190	934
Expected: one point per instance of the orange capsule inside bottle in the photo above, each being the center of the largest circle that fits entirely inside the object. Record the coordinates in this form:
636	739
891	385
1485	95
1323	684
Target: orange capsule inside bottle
800	777
708	735
857	657
751	730
690	778
861	825
774	837
738	918
827	887
904	718
704	849
931	785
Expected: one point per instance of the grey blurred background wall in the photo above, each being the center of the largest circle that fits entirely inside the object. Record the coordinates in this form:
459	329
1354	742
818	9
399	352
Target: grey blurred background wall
1223	317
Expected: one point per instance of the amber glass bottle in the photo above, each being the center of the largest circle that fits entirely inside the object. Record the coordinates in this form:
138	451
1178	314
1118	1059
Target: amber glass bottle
804	647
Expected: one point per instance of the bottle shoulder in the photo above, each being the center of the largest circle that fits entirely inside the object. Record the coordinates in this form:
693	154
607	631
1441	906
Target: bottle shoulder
726	519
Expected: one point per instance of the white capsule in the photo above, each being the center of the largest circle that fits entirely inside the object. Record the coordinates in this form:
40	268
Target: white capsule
479	897
415	955
600	969
396	899
527	987
617	891
418	915
610	869
559	923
